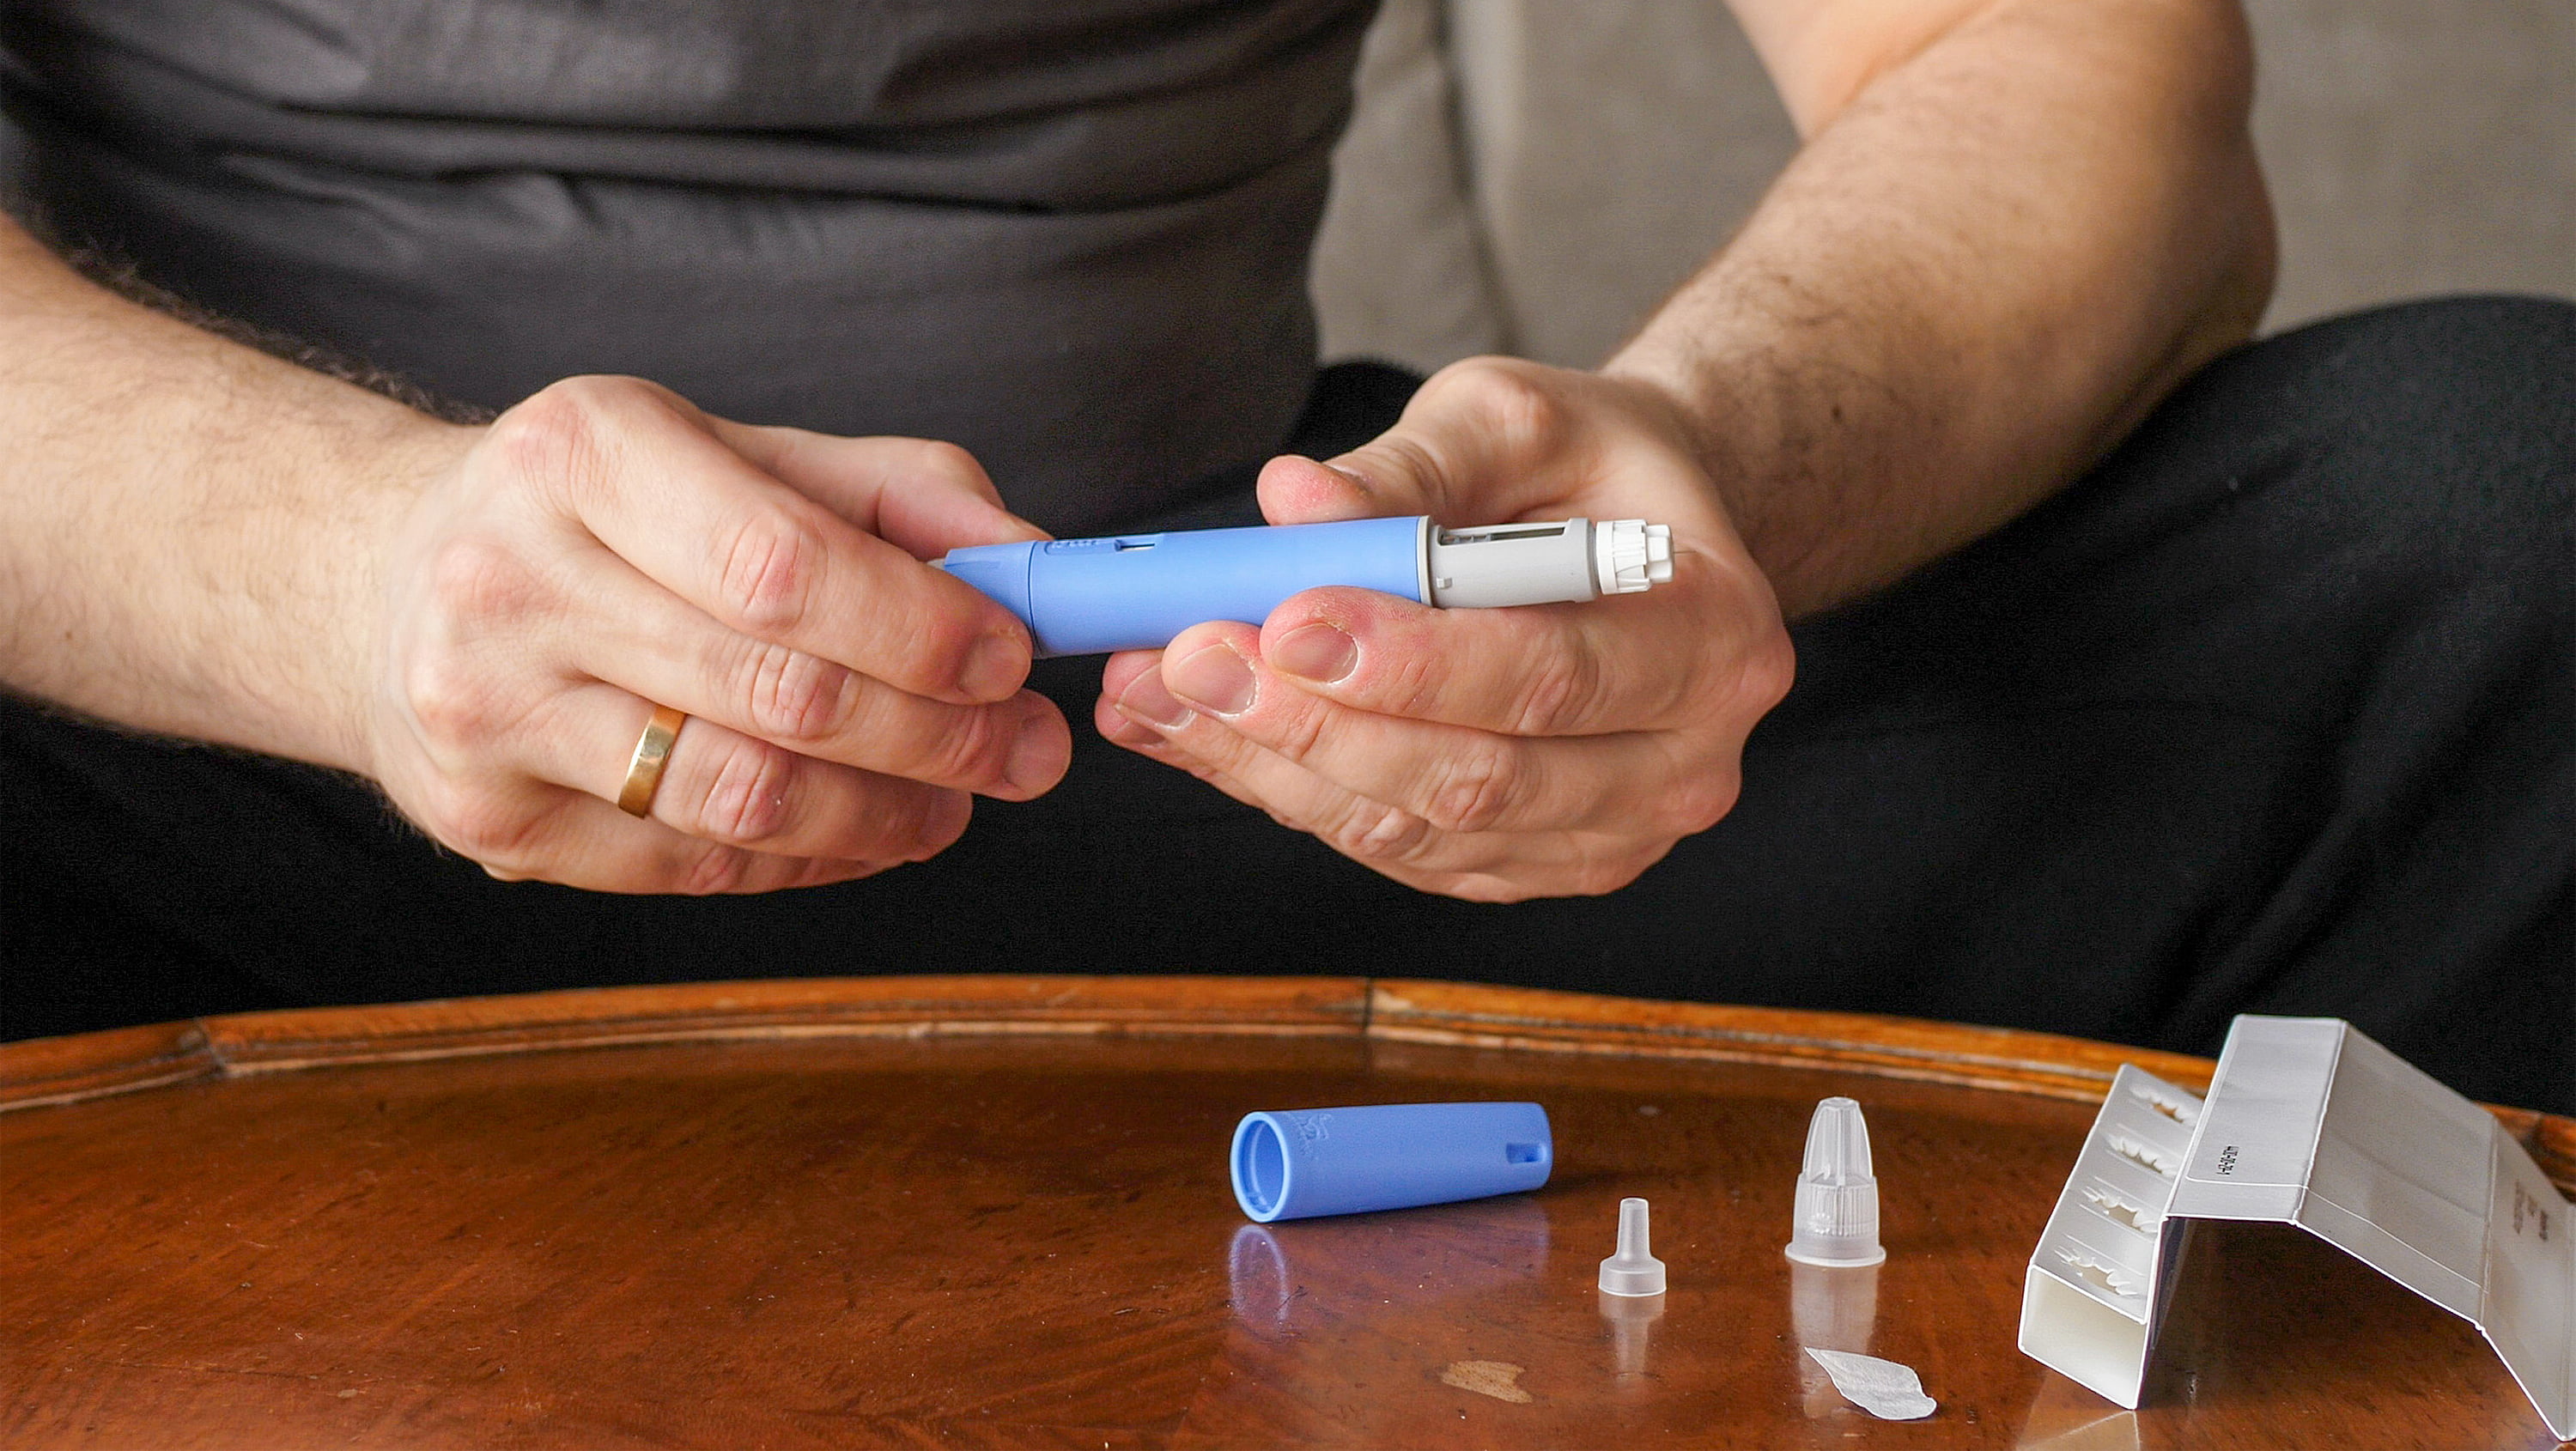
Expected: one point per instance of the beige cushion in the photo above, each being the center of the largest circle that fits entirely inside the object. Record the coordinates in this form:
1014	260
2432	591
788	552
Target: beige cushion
1400	271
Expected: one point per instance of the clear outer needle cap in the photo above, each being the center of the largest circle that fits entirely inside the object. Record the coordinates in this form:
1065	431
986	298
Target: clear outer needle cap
1634	1270
1837	1220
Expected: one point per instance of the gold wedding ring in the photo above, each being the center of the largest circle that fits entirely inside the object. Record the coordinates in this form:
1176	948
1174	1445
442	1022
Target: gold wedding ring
652	753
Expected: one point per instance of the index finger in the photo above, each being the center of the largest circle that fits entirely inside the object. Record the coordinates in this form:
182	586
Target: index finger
703	522
1622	663
924	496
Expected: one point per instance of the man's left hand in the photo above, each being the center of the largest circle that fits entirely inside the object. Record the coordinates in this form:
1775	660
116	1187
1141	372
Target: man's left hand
1490	754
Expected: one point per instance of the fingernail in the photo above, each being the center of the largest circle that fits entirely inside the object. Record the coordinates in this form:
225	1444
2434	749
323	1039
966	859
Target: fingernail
1038	757
1214	678
1147	700
1316	652
994	669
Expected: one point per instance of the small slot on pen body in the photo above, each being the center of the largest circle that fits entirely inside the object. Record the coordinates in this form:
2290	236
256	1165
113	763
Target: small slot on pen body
1487	536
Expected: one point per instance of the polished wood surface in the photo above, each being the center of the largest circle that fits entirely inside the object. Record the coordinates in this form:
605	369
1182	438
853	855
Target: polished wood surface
993	1211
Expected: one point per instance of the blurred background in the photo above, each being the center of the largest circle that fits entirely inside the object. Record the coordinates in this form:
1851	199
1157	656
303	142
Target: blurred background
1532	176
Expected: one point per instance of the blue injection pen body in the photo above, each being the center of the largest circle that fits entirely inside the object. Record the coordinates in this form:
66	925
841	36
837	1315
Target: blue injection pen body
1137	591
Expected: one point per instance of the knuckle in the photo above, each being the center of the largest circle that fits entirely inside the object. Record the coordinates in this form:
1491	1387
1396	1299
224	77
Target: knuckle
1295	736
1474	788
969	748
1558	696
940	822
1508	398
747	795
949	461
770	571
1770	668
559	434
931	648
454	698
1490	890
475	580
489	826
916	823
789	695
1697	802
1414	681
823	871
1412	458
1600	876
715	869
1377	833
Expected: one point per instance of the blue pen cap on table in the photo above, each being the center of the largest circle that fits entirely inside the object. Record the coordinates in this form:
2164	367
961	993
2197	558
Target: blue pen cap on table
1300	1163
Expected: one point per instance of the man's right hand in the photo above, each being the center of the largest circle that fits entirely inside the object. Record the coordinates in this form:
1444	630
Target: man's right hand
605	546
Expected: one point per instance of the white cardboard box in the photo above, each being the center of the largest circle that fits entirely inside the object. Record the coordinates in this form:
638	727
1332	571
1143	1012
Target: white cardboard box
2308	1122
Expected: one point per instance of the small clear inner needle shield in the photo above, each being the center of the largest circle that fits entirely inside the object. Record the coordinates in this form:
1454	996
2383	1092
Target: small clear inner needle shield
1837	1210
1634	1270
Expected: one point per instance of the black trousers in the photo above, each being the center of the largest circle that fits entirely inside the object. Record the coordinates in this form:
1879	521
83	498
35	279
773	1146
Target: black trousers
2274	711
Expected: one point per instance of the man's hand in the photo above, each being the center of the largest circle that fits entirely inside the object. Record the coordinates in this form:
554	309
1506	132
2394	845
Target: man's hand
205	541
2015	225
605	546
1488	754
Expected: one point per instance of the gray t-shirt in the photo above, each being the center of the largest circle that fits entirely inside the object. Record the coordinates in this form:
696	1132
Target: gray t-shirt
1070	235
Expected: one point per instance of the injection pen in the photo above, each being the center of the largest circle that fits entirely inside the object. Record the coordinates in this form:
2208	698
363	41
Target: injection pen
1137	591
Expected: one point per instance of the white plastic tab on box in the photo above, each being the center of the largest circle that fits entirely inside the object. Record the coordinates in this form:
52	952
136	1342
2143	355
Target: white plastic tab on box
2310	1123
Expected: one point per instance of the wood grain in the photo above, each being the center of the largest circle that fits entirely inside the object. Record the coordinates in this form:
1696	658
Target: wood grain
993	1212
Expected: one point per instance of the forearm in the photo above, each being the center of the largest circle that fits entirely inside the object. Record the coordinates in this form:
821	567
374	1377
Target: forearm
187	525
2003	242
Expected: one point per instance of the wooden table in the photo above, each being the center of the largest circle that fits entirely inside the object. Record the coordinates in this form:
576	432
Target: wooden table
993	1211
